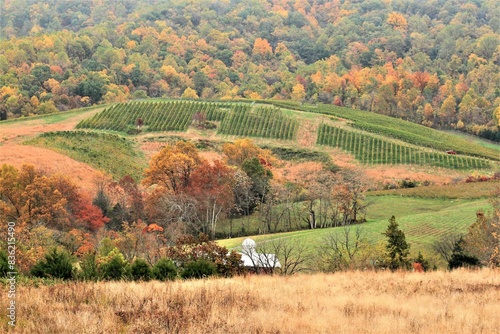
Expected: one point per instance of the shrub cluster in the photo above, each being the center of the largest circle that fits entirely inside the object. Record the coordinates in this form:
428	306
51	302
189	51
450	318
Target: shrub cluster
190	258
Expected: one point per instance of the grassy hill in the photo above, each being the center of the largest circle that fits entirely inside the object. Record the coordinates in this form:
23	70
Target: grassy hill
371	138
423	221
110	153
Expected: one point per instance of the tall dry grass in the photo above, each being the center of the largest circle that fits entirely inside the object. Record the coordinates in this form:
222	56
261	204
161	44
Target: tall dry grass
352	302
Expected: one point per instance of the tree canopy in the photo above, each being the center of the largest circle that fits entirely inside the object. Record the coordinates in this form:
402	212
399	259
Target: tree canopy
396	58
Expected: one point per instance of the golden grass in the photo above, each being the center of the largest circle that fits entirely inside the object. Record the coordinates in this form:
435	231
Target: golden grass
353	302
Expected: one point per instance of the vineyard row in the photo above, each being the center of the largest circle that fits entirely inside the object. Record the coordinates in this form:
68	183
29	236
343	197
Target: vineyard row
370	149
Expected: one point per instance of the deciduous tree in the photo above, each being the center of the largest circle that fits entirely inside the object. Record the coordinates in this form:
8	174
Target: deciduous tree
171	168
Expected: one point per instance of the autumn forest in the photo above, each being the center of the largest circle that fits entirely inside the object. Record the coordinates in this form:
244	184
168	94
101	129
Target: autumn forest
434	63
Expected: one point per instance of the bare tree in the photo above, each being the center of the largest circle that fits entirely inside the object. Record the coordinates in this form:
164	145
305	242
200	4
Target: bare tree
285	255
335	198
177	210
444	246
350	188
341	249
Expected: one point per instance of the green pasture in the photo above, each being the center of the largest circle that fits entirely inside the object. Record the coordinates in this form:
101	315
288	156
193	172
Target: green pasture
50	118
423	221
109	153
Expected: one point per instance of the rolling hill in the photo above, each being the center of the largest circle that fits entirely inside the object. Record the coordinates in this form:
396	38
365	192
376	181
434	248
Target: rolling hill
298	134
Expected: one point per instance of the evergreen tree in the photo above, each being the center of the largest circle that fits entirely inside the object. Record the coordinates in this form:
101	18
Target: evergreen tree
4	264
101	200
397	247
140	270
422	261
56	264
460	258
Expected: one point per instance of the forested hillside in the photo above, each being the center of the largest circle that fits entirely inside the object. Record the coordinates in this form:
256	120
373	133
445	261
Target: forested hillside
433	62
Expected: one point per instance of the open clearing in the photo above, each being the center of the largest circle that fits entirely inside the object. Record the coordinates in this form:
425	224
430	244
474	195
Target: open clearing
81	174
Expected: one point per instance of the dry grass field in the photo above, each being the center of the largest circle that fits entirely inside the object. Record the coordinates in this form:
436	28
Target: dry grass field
353	302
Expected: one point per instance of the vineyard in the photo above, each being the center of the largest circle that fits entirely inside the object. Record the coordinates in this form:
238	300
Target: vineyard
370	149
239	119
408	132
266	122
369	136
156	116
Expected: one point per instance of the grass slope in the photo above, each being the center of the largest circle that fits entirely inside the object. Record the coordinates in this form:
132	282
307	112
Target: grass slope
452	191
107	152
423	220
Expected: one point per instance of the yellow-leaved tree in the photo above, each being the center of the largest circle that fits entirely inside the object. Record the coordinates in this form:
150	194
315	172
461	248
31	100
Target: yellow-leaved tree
298	92
171	168
189	93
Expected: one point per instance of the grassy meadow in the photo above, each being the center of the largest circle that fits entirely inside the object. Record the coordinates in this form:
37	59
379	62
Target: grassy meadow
349	302
111	153
423	220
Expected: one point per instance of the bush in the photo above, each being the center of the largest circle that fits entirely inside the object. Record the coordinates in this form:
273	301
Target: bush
133	130
55	265
4	264
198	269
140	270
460	257
424	264
164	269
114	267
407	183
88	267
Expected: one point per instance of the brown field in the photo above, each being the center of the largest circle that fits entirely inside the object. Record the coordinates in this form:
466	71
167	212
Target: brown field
395	173
460	190
19	131
12	153
352	302
51	162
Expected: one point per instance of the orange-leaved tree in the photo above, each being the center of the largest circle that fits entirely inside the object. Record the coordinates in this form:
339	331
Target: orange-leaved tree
212	187
171	168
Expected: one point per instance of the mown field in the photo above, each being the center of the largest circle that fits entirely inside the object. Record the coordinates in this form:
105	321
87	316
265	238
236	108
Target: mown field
348	302
424	220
